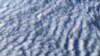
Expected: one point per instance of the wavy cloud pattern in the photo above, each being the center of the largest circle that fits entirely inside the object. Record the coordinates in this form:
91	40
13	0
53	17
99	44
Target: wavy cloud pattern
49	28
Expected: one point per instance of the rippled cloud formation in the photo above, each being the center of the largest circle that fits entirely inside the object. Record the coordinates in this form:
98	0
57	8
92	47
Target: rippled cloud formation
49	27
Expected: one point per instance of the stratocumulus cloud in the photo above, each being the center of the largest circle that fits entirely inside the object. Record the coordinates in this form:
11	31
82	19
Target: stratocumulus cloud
49	28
